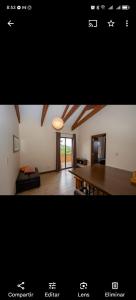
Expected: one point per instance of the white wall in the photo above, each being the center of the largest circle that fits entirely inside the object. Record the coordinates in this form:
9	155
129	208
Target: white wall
9	161
119	124
38	144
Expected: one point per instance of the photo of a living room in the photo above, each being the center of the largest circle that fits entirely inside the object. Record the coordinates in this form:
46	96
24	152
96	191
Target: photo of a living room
68	149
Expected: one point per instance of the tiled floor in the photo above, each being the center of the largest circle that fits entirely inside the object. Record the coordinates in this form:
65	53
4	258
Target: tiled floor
54	183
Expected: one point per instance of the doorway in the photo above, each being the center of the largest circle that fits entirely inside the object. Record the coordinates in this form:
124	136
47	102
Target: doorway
66	153
98	149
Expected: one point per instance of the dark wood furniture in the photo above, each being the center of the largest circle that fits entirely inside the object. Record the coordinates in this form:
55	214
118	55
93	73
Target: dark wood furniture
27	181
106	180
77	192
79	182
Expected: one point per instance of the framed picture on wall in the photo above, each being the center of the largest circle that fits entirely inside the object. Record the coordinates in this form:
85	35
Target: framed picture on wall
16	146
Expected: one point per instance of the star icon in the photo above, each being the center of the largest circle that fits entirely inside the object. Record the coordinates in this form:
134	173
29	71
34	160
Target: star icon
111	23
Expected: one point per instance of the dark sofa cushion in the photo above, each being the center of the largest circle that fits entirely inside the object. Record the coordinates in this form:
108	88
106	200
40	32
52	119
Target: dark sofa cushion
27	181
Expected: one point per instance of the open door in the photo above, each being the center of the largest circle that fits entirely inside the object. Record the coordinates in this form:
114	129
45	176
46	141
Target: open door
98	149
66	154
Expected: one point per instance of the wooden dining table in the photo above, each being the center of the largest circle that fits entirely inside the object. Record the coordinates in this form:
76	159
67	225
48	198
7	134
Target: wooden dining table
109	180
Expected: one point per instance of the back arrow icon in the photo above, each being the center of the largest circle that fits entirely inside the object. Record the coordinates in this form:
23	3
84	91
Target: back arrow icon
10	23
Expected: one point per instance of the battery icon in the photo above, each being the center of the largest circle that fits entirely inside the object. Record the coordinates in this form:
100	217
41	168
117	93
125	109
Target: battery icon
125	7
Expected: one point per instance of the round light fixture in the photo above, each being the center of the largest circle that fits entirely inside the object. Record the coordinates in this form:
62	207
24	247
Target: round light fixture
58	123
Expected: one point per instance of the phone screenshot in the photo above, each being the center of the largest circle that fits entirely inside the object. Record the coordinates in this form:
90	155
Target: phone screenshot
68	149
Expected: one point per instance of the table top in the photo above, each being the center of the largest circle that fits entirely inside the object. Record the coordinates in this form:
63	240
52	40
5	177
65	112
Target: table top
110	180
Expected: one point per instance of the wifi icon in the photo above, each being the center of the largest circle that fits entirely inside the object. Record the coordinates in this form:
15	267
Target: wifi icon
102	6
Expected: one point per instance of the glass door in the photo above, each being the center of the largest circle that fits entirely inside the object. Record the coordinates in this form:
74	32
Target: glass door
66	155
69	156
62	153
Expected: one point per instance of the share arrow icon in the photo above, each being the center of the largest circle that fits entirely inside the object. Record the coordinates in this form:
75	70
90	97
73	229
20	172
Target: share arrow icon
20	285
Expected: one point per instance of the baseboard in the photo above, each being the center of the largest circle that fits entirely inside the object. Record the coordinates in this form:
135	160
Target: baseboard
45	172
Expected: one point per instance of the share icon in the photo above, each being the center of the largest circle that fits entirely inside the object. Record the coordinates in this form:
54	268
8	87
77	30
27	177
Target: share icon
20	285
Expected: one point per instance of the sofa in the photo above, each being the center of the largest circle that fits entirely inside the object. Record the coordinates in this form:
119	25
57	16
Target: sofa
27	181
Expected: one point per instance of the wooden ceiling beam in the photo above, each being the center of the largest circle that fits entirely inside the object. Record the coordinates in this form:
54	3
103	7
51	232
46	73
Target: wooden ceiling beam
86	108
44	112
17	112
65	111
70	112
87	117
